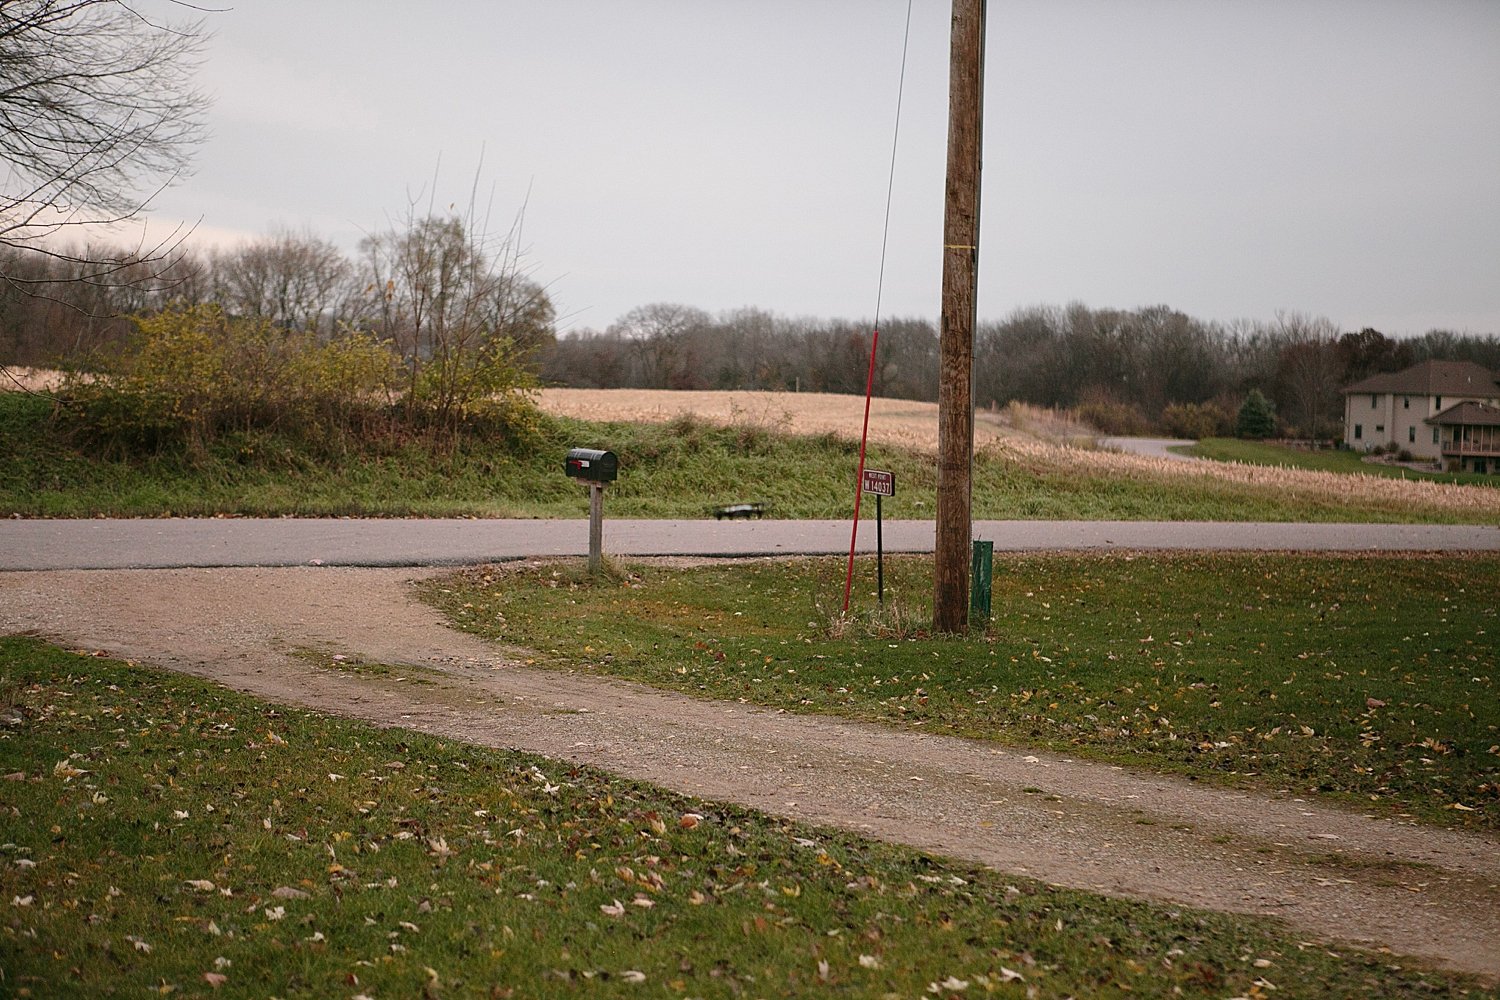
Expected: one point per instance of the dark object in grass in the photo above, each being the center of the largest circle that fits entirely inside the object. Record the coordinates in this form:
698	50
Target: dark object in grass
739	510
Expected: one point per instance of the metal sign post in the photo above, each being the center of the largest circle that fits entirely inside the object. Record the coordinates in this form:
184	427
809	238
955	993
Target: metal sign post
882	484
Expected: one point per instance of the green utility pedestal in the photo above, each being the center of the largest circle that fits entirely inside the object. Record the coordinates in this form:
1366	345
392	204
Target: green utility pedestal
979	584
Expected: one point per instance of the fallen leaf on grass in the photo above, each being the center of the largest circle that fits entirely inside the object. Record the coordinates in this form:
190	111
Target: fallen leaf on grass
287	892
615	909
201	884
215	979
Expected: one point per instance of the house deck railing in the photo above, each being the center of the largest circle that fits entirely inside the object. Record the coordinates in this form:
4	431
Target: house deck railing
1478	442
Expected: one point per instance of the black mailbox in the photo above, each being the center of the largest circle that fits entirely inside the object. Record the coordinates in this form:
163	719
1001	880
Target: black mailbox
592	465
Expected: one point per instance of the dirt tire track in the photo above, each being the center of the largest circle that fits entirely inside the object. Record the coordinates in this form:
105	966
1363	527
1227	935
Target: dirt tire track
1424	892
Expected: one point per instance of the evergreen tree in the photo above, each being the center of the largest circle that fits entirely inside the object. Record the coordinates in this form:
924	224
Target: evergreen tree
1257	418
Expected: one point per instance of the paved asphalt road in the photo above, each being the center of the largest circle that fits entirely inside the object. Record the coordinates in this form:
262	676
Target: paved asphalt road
210	542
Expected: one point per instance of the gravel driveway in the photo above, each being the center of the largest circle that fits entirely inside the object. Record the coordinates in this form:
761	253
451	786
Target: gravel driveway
1331	874
1150	447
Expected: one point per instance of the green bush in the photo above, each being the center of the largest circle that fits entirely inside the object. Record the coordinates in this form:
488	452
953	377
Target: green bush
189	376
484	383
1197	420
1107	413
192	377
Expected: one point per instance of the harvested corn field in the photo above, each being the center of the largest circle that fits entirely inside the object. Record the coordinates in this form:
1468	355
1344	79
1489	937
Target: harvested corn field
902	422
1038	440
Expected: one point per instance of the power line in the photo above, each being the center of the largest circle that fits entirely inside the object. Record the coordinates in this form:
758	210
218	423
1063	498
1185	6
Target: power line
885	236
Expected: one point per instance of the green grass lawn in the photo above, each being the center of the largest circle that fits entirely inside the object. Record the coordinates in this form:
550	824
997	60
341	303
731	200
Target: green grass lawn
1367	679
1326	460
683	469
163	836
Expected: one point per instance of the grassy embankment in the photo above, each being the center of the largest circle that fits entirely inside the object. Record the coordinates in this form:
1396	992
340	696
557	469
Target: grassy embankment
1341	461
1369	680
165	836
679	469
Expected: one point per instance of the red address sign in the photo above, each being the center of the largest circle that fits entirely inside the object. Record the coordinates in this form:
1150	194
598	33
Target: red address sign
881	483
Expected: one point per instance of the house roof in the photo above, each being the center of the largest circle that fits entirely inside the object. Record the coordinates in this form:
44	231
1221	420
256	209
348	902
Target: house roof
1433	378
1468	414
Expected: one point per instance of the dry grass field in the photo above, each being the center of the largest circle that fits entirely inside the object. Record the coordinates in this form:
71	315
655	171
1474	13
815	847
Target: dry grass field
28	379
903	422
1035	438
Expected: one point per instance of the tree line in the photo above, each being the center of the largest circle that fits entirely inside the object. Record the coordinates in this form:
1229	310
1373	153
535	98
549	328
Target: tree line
1145	370
434	286
101	109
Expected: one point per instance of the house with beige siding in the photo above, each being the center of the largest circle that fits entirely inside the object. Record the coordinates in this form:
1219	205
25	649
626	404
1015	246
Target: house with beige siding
1404	408
1470	437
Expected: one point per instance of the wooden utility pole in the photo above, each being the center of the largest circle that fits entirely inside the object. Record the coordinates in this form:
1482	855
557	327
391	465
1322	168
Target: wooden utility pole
956	348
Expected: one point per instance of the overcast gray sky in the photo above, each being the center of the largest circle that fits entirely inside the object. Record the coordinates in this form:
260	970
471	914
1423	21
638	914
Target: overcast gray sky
1229	158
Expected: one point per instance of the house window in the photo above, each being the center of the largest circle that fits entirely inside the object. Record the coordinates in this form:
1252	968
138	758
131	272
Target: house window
1434	435
1405	402
1437	403
1411	435
1380	428
1359	431
1374	401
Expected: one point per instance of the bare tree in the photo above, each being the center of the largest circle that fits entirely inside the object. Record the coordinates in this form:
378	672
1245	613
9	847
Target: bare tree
298	282
1310	369
1370	351
586	359
78	316
98	112
661	337
907	360
458	308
